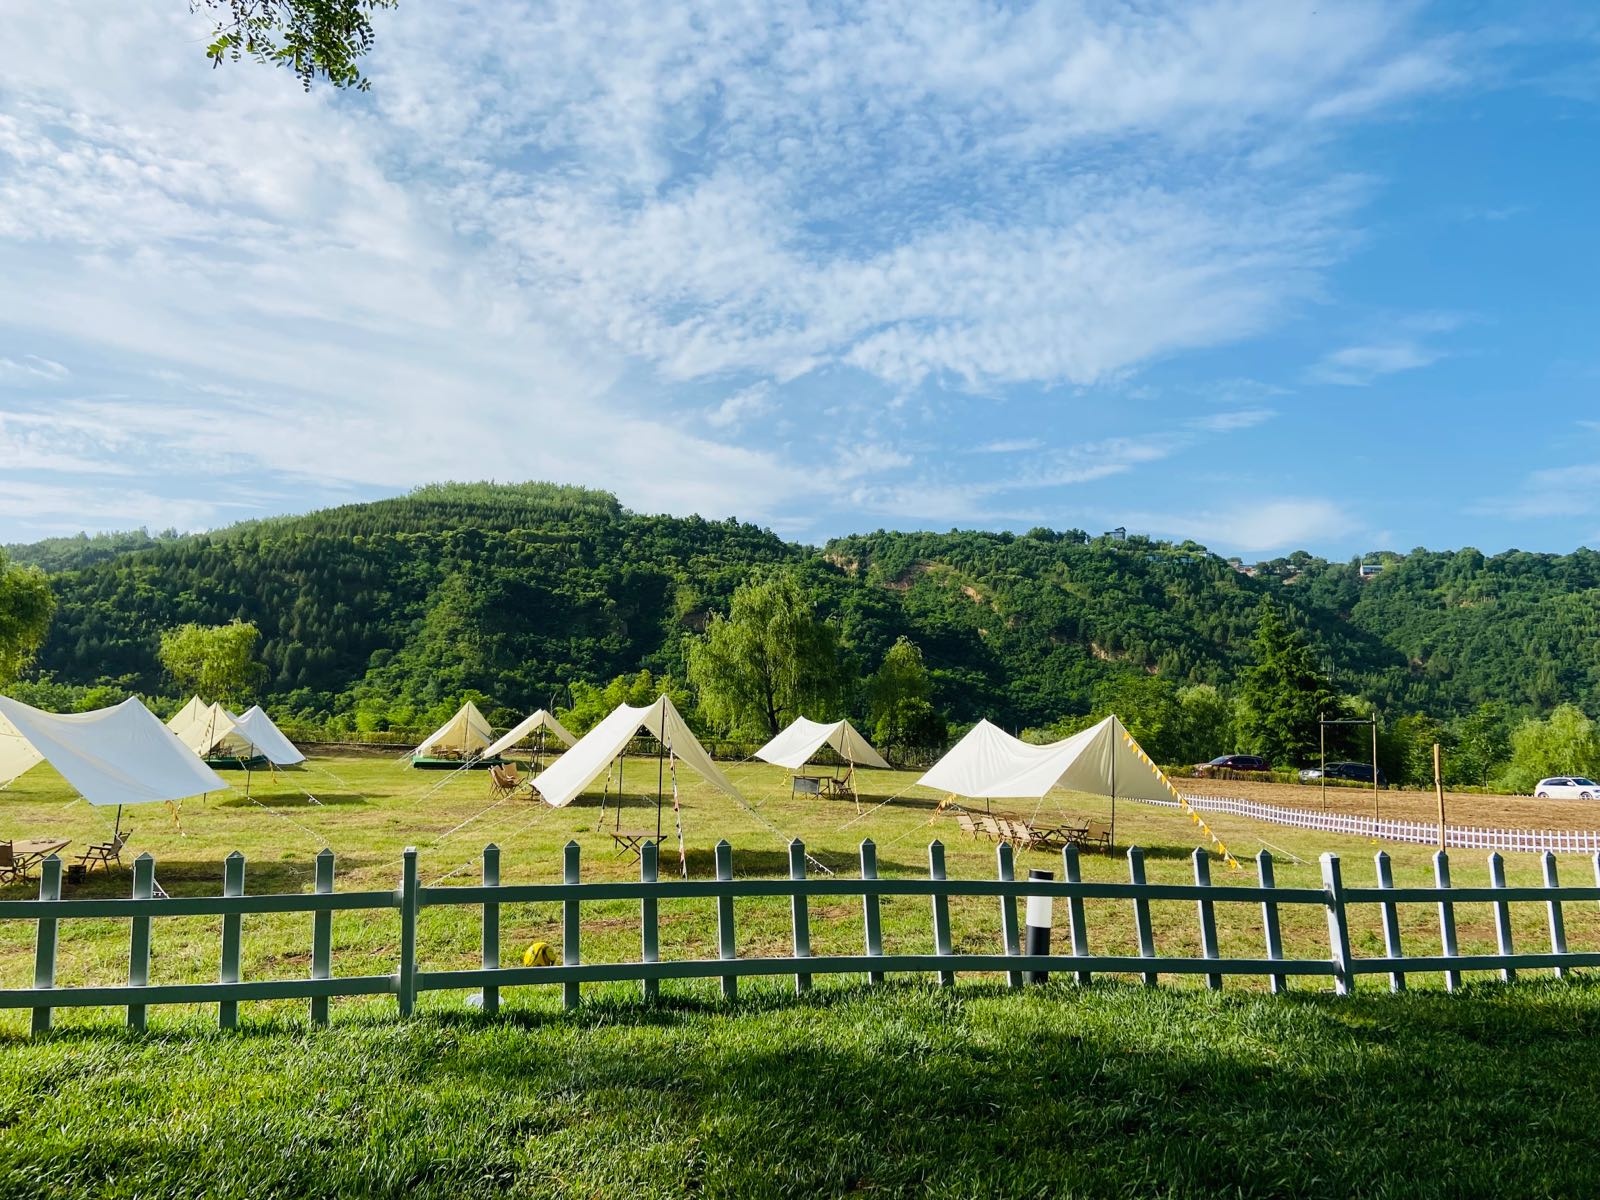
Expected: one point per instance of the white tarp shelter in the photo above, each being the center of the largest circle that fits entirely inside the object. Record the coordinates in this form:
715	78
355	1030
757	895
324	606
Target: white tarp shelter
464	735
525	728
794	747
119	755
566	778
265	738
1102	760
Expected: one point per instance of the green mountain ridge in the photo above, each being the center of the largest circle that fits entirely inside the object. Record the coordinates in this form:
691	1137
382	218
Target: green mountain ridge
516	591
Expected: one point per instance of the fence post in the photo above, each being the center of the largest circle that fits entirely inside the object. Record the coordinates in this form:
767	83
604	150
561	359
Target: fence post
941	910
800	914
44	951
232	885
1008	910
144	879
1338	925
322	935
1072	872
649	923
870	908
1558	924
1141	911
1447	916
1269	918
408	930
725	943
1502	915
1208	915
1391	919
491	928
569	923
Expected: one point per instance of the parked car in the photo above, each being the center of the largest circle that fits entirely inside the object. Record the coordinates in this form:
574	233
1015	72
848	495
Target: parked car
1567	787
1360	772
1232	762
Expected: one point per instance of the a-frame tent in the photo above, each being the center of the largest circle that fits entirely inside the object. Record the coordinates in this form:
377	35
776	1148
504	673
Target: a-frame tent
463	738
525	728
566	778
265	739
797	744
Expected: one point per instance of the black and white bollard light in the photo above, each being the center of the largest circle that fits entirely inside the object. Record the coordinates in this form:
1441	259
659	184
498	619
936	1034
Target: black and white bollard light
1041	911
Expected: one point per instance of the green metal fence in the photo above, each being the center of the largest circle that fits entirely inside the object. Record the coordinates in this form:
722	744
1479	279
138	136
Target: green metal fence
1076	958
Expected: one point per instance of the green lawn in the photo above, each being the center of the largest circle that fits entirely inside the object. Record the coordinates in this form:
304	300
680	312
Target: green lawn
1111	1090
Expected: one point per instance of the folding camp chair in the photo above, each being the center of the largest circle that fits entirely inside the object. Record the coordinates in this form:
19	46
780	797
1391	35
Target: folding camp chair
503	781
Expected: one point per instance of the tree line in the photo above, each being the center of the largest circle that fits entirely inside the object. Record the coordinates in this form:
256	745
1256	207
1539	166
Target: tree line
384	615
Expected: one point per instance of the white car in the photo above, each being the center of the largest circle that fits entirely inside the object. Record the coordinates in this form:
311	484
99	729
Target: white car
1567	787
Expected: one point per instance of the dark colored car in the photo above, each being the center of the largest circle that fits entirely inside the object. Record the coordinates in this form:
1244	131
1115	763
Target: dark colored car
1360	772
1232	762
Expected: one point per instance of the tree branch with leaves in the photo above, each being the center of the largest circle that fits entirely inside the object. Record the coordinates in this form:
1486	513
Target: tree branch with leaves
316	39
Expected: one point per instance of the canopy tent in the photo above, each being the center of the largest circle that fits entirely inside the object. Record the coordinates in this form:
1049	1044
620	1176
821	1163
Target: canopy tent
463	736
265	739
565	779
119	755
526	726
794	747
1102	760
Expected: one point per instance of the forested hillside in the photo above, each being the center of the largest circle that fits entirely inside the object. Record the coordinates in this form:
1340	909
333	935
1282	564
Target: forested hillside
393	608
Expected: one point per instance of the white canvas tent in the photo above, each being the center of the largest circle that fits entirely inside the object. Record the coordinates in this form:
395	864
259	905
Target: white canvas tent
1102	760
794	746
566	778
208	730
119	755
211	731
265	739
526	727
464	735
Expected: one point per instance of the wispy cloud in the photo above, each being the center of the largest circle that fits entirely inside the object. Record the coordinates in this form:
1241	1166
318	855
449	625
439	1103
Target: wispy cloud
1233	420
622	252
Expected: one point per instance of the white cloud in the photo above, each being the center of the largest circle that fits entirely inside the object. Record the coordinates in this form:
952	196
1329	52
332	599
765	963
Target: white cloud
1009	446
541	231
30	368
1257	526
1233	420
1357	366
1571	491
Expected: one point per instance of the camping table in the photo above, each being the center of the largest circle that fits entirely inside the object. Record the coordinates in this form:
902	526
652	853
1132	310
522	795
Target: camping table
631	841
1064	835
30	853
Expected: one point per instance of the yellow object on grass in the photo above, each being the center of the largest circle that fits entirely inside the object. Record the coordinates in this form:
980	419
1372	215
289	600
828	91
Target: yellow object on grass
540	954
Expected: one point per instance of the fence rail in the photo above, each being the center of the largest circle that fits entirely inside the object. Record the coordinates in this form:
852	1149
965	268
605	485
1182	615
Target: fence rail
408	980
1421	833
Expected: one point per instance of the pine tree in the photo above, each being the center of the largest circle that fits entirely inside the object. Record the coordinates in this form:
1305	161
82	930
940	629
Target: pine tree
1283	694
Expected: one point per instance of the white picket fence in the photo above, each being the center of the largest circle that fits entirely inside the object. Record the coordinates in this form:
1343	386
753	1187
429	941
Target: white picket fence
1424	833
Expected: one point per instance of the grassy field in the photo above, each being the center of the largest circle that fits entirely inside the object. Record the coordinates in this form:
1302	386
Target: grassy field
368	809
1109	1091
906	1089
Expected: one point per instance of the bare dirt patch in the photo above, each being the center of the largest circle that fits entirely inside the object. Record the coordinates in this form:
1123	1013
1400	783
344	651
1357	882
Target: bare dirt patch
1461	808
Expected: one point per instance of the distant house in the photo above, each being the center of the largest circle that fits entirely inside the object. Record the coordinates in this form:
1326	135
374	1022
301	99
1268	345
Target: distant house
1368	570
1119	534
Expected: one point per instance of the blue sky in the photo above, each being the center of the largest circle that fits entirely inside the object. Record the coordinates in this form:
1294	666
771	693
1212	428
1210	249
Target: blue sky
1266	274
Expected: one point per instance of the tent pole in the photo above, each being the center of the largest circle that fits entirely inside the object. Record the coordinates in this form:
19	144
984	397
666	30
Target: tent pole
117	832
661	766
1114	787
621	760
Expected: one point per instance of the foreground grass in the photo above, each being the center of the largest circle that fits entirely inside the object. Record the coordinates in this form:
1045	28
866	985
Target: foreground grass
1109	1091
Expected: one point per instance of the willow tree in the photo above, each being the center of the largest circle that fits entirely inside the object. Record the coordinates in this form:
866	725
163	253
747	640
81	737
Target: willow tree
26	605
768	661
216	662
